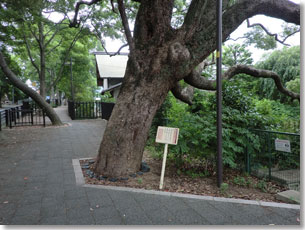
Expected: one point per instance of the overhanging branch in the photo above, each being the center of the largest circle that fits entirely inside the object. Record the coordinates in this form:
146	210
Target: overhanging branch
275	35
125	23
260	73
185	94
195	79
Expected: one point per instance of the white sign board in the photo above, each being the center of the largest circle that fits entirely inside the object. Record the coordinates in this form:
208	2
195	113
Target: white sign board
167	135
282	145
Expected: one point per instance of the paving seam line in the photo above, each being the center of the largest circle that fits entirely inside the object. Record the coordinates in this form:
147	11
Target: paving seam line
81	182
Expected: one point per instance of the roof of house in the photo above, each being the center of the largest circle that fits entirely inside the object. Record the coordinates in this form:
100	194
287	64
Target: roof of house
111	66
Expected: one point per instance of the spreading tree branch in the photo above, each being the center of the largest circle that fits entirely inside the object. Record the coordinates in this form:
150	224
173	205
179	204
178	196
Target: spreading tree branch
54	34
113	53
112	6
119	50
59	75
33	33
193	17
185	94
54	47
75	22
275	35
195	79
125	23
232	18
260	73
28	49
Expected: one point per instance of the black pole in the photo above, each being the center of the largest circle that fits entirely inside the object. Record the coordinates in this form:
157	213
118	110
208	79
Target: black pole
219	92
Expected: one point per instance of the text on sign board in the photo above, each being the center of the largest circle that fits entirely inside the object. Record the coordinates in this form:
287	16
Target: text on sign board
167	135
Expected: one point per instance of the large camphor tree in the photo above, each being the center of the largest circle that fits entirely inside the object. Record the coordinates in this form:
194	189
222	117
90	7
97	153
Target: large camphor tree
161	56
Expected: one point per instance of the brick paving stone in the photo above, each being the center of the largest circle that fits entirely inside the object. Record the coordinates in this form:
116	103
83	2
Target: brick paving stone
28	210
30	199
190	217
78	212
52	200
75	203
109	221
25	220
134	216
150	205
122	204
89	220
52	211
55	220
105	212
162	217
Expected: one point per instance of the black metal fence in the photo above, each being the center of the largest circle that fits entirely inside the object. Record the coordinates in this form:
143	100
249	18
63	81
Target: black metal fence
25	117
90	110
276	156
28	114
2	119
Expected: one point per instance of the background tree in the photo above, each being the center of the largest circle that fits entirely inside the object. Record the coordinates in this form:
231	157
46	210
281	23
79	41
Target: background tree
286	63
14	80
6	89
36	40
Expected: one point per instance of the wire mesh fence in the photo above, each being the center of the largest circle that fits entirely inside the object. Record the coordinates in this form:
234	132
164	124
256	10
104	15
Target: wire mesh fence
276	157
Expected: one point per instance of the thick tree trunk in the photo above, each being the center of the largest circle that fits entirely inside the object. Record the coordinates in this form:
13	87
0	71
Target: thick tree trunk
30	92
122	147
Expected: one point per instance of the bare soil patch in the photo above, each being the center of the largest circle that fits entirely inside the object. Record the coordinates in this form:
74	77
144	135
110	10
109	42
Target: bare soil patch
249	188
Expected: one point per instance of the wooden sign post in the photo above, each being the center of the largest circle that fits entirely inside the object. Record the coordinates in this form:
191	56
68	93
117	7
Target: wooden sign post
166	136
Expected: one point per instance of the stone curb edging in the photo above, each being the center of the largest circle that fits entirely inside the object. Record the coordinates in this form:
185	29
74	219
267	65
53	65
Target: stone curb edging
81	182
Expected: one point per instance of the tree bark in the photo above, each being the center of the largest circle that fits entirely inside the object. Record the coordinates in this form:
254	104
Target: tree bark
123	143
42	72
30	92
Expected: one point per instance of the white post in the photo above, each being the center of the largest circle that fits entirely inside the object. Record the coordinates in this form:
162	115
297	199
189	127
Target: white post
163	166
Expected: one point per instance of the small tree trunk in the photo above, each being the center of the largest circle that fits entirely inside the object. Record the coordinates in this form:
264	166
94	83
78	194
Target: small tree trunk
123	143
42	84
42	74
30	92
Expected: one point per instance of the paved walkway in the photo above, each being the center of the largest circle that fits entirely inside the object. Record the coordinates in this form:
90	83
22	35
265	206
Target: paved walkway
38	186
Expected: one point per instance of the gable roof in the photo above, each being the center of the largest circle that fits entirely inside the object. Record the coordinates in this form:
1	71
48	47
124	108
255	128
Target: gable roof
110	66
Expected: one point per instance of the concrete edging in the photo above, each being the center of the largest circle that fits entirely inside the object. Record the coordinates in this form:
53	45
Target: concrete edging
81	182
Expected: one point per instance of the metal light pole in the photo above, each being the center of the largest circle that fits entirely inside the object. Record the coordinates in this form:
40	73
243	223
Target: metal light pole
219	92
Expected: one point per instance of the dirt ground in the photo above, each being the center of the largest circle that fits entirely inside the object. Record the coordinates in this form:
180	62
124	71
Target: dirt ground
238	186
